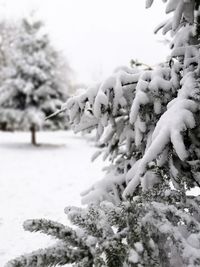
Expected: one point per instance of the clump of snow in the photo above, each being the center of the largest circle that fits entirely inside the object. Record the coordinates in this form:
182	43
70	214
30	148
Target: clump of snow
139	247
194	241
133	256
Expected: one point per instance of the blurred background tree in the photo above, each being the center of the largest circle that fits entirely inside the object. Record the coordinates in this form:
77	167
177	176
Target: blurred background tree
34	78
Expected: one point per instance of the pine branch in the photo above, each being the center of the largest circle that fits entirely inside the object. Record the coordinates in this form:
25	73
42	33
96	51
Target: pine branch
56	255
54	229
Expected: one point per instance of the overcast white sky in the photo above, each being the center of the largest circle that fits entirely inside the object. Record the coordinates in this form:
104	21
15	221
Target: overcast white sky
97	35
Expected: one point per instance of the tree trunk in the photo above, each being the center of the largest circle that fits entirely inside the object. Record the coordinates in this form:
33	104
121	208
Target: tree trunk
33	135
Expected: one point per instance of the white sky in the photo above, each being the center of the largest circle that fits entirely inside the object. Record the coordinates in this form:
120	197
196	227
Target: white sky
97	35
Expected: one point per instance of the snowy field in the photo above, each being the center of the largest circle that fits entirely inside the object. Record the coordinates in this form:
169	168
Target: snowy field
38	182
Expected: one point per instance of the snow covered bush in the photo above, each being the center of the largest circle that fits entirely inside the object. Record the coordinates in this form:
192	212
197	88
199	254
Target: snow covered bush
147	125
32	78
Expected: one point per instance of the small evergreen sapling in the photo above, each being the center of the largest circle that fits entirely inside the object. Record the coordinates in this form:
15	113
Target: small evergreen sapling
32	79
147	124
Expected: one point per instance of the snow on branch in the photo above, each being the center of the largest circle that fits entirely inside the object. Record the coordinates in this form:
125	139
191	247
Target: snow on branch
144	116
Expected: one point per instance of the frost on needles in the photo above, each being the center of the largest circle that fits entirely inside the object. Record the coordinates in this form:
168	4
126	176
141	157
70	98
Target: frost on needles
147	125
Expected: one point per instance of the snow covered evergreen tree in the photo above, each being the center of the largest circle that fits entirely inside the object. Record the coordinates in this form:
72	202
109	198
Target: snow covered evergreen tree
147	122
33	83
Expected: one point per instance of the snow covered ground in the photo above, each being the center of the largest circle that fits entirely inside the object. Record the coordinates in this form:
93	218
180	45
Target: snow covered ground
39	182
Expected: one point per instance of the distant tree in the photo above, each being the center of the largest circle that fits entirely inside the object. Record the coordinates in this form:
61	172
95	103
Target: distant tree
34	79
140	214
